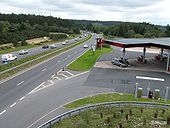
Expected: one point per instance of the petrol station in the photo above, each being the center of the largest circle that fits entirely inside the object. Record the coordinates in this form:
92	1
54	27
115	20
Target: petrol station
160	43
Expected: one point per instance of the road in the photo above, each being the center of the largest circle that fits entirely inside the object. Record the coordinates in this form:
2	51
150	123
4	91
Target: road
26	112
38	50
22	84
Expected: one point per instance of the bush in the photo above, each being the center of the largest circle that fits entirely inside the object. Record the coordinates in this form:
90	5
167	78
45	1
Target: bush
106	46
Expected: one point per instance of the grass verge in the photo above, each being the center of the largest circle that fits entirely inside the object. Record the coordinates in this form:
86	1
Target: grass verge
118	117
37	60
87	60
110	97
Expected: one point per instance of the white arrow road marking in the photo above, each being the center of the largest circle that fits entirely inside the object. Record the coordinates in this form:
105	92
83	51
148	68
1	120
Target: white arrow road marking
2	112
13	105
36	88
149	78
20	83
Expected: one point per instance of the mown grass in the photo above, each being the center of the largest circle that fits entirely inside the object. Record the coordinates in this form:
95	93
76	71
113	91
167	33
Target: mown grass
110	97
48	54
87	60
114	117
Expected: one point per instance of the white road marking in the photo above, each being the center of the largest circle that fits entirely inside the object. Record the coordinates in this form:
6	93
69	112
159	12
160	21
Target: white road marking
59	71
2	112
64	75
44	69
69	73
54	76
20	83
77	75
22	98
149	78
36	88
13	105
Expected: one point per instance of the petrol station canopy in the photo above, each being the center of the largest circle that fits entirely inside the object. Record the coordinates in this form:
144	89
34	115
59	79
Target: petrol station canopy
163	43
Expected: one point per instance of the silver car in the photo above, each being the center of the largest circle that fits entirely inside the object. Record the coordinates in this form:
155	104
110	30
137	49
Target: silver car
120	62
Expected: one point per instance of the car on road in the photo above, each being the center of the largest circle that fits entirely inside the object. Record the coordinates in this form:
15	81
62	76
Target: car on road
22	52
45	46
120	62
85	46
52	46
64	43
8	57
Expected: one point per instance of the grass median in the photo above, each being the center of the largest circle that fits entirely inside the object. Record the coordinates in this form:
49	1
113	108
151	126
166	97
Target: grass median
38	58
87	60
110	97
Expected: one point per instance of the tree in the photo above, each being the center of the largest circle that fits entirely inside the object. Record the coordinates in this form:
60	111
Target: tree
167	30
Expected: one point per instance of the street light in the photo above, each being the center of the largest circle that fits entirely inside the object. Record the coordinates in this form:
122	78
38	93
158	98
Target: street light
136	90
166	94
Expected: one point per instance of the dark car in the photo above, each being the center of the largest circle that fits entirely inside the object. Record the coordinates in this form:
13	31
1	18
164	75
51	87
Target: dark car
122	62
45	46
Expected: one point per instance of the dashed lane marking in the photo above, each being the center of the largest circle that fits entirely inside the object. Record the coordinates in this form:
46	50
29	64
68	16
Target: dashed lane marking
44	69
2	112
22	98
13	105
20	83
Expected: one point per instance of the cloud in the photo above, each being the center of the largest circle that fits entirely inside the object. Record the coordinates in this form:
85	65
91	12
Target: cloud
154	11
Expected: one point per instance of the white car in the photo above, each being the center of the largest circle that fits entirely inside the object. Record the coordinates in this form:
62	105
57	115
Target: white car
53	46
8	57
85	46
64	43
22	52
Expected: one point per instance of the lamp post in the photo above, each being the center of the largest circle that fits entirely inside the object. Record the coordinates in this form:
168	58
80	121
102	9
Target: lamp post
136	90
166	93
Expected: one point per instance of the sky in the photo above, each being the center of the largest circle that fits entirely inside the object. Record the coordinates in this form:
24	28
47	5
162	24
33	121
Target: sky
153	11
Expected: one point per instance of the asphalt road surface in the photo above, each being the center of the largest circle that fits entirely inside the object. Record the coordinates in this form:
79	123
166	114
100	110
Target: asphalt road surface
38	50
15	88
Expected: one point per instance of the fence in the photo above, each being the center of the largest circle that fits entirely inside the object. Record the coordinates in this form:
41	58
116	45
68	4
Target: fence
51	122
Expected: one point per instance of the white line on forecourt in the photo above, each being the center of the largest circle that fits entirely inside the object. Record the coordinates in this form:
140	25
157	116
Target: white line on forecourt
2	112
149	78
20	83
13	105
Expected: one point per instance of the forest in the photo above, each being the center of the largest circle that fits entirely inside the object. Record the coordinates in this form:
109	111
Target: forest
20	27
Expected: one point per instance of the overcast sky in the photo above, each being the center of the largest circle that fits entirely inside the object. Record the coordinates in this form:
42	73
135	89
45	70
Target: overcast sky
153	11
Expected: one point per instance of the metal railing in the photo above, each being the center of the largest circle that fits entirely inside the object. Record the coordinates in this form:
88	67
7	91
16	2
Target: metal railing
51	122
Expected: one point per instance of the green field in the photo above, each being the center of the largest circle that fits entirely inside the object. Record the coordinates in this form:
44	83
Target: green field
87	60
115	117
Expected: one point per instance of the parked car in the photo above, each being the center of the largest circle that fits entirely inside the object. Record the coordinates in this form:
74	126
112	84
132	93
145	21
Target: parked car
22	52
85	46
45	46
8	57
122	62
53	46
